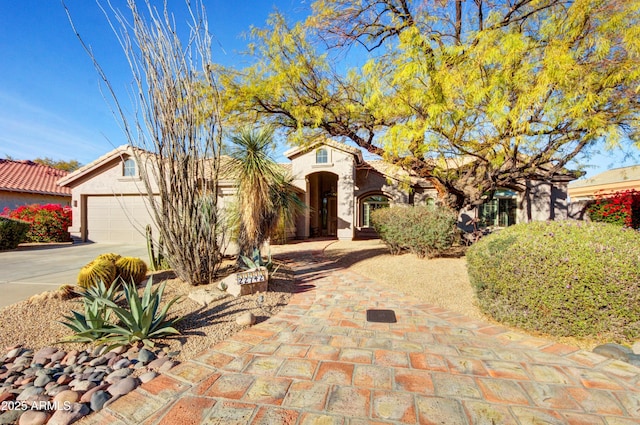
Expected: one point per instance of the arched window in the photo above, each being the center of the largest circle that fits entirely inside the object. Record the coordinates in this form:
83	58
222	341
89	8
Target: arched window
500	211
370	204
322	157
129	168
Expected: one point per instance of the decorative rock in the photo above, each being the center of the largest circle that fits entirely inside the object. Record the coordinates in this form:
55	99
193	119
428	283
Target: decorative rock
28	392
98	399
98	361
58	356
246	319
145	356
64	379
66	396
83	386
157	363
636	347
123	386
146	377
613	351
122	363
57	390
205	297
41	381
69	416
117	375
14	353
119	350
10	417
634	359
86	397
99	350
34	417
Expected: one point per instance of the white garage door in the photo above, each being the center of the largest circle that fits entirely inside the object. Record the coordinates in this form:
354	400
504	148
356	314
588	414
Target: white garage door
120	219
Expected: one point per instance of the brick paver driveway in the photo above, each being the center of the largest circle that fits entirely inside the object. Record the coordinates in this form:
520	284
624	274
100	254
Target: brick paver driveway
319	361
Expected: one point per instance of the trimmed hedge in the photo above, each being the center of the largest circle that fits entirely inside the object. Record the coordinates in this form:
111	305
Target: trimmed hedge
423	230
12	232
565	278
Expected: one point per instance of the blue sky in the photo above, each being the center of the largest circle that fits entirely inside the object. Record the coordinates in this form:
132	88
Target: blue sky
50	99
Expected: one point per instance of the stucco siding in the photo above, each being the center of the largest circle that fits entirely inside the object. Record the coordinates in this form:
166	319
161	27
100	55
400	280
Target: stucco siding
13	200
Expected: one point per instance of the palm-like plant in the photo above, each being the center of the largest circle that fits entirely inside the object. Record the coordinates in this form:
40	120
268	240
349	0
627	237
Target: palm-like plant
256	171
286	203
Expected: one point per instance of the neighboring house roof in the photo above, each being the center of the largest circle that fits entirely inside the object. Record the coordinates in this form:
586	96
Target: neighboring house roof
613	180
104	159
299	150
30	177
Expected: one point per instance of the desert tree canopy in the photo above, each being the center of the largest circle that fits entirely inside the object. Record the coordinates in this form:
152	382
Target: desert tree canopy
473	95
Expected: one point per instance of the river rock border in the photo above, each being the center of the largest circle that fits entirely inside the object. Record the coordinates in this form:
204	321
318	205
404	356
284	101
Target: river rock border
58	387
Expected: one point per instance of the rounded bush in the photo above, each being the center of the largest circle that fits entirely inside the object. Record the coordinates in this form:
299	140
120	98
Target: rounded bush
12	232
424	230
97	271
131	269
565	278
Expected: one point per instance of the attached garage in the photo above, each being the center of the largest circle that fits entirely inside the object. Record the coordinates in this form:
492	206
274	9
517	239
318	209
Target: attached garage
117	219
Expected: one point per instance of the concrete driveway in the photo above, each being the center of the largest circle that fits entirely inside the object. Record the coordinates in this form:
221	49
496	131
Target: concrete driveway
30	270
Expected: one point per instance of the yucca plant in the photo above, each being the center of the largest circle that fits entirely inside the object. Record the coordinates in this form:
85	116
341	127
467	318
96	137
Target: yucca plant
143	320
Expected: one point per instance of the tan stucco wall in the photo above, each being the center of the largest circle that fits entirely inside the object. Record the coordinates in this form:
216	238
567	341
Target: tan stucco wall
12	200
583	193
339	163
105	180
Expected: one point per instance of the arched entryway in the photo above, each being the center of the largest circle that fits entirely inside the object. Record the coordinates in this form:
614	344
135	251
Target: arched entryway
323	204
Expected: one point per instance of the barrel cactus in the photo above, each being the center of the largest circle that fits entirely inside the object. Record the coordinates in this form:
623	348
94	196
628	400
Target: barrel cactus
111	256
99	270
131	269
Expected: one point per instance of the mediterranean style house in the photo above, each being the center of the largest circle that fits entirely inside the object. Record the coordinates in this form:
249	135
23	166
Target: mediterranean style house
340	188
26	182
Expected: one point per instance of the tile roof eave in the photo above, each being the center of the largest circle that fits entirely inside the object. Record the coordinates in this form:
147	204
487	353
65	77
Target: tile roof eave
38	192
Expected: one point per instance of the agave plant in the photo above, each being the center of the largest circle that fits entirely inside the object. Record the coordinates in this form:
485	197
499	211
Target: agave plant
94	323
105	321
143	320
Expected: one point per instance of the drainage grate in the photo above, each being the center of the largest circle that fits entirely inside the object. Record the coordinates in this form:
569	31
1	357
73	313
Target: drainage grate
381	316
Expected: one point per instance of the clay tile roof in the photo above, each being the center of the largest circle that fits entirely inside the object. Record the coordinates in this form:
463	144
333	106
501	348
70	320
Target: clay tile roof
27	176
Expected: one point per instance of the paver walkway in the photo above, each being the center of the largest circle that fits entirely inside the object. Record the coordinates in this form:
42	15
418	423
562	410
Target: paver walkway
320	362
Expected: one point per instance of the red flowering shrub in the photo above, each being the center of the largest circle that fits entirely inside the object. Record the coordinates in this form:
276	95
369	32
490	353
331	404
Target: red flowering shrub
49	223
621	208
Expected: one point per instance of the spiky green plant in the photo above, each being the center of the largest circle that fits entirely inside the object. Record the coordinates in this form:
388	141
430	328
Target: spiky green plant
99	270
93	323
143	320
115	317
111	256
131	269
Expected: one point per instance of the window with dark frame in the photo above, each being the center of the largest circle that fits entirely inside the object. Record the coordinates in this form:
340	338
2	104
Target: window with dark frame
370	204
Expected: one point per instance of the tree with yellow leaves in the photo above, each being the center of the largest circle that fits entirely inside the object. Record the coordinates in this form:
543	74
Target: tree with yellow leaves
473	95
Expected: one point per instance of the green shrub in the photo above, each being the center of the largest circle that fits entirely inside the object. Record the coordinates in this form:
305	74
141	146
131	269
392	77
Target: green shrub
12	232
566	278
423	230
